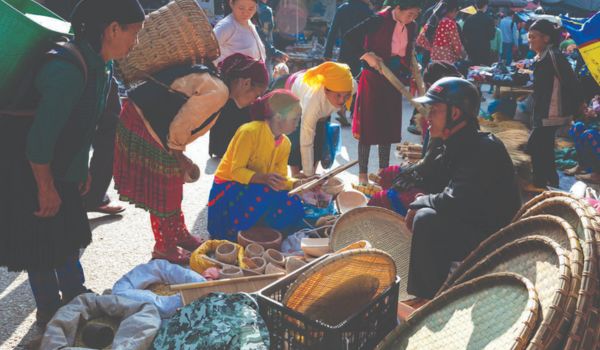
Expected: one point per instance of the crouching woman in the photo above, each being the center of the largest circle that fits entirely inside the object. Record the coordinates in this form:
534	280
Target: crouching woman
251	183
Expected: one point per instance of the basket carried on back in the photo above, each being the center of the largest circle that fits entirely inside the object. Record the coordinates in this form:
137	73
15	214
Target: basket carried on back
178	33
543	262
496	311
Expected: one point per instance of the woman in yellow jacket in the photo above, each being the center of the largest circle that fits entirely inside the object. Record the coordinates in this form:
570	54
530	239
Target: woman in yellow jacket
251	183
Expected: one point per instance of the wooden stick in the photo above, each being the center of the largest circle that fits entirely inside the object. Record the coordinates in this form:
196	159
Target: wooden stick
326	176
417	74
185	286
389	75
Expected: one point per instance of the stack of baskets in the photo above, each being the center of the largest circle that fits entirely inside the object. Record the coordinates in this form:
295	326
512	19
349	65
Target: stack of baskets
178	33
532	285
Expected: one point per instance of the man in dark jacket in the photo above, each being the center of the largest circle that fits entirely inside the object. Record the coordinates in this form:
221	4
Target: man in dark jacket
347	15
480	195
478	31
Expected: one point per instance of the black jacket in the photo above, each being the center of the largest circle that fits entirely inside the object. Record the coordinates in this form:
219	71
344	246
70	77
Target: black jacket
477	33
543	83
482	189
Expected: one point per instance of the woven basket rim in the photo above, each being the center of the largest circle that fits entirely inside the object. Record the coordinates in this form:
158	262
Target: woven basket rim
547	334
339	259
530	312
537	199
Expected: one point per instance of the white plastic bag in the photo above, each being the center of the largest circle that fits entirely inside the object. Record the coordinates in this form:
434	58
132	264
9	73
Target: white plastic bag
133	284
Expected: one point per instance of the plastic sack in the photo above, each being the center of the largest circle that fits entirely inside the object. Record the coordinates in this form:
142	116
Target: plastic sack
133	284
332	145
313	213
292	244
199	264
139	321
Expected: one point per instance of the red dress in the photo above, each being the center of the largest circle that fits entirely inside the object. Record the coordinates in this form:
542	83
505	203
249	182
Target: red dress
446	42
378	109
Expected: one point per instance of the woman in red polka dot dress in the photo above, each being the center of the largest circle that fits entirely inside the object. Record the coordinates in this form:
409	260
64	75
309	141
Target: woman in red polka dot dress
252	183
440	35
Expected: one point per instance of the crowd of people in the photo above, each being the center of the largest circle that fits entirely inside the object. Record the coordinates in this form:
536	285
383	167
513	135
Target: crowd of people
269	142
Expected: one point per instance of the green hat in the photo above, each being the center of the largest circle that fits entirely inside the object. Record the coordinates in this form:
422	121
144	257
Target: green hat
404	4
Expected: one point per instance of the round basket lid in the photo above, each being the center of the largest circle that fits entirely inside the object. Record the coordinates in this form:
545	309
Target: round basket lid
546	264
577	214
341	285
549	226
383	228
497	311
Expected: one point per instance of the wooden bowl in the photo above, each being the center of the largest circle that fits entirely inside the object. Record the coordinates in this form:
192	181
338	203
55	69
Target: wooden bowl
264	236
333	186
274	257
227	253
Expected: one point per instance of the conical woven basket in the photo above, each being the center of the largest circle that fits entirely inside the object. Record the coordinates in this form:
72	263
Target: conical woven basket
341	285
578	215
177	33
549	226
383	228
546	265
496	311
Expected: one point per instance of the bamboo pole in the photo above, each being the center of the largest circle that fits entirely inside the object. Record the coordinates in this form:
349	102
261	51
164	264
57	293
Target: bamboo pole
389	75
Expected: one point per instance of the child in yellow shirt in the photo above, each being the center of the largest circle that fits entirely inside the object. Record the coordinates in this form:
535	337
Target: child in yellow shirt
251	183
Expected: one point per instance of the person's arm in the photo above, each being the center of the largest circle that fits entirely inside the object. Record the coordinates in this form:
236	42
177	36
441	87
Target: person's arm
308	125
60	85
333	34
207	96
281	164
224	31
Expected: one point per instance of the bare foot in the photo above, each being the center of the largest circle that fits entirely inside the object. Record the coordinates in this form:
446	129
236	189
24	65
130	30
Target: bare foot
363	178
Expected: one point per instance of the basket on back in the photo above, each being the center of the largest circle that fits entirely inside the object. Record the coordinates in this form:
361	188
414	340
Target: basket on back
177	33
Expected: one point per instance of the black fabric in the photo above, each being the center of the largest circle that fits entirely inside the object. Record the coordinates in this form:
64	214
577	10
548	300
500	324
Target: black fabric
480	196
540	147
26	241
478	31
221	133
543	83
158	104
108	11
101	164
320	135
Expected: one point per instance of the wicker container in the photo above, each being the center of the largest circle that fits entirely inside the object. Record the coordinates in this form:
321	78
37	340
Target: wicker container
543	262
178	33
267	237
290	329
497	311
383	229
23	42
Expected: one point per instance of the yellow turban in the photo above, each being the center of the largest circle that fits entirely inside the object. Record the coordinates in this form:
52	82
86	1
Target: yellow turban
334	76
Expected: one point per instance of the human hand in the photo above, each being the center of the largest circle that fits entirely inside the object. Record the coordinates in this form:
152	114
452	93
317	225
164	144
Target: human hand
274	180
48	202
372	60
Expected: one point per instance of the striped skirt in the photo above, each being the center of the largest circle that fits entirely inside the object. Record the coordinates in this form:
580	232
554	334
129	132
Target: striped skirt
233	206
145	174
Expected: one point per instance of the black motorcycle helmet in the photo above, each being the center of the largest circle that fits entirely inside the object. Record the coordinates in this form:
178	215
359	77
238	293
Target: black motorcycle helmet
456	92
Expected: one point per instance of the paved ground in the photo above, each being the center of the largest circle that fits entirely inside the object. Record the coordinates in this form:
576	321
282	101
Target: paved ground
122	242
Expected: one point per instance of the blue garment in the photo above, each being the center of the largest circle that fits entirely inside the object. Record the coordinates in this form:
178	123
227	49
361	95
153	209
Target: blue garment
509	31
264	28
233	207
347	16
587	145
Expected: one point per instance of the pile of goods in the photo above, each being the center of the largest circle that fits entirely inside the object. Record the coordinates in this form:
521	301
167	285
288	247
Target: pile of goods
410	152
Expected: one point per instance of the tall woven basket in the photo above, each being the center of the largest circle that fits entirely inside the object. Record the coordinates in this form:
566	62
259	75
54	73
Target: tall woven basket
177	33
22	41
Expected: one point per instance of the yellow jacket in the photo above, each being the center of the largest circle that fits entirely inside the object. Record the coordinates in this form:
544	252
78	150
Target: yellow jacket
253	150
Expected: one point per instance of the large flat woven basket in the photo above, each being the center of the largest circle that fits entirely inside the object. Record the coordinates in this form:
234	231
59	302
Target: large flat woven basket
177	33
578	215
383	228
546	264
496	311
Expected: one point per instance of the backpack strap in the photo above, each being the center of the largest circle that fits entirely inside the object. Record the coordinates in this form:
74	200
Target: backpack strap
63	50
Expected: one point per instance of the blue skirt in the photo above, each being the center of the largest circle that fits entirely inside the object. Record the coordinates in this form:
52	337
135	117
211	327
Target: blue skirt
233	206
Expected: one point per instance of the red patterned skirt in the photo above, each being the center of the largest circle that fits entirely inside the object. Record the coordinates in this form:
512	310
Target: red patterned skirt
145	174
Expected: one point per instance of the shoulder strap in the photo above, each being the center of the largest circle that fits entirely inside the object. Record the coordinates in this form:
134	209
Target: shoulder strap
74	51
555	65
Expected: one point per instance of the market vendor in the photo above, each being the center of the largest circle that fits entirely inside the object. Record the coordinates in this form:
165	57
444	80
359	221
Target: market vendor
44	171
251	183
157	123
480	195
322	90
557	96
387	37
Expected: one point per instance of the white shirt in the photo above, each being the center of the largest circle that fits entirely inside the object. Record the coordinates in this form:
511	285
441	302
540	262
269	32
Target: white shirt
234	37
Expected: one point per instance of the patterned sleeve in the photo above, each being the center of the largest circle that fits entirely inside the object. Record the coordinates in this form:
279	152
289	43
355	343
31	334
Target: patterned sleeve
454	37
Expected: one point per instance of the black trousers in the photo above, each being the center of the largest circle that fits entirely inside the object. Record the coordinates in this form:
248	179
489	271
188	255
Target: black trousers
540	147
101	165
437	241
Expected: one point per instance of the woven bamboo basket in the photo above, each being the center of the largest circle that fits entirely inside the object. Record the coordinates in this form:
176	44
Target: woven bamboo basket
177	33
578	215
193	291
338	287
496	311
546	264
383	228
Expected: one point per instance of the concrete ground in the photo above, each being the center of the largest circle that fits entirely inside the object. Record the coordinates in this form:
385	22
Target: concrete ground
124	241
